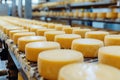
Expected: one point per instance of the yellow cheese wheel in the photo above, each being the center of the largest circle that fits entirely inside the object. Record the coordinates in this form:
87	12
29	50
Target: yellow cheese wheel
111	40
20	77
87	15
68	30
81	32
27	39
65	40
93	15
110	55
11	33
118	15
59	27
50	35
89	47
101	15
81	15
112	15
50	62
40	32
51	26
100	35
16	36
35	28
88	71
34	48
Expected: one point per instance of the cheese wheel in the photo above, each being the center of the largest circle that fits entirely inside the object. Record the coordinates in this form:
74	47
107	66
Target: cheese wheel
100	35
111	40
87	15
65	40
112	15
101	15
11	33
89	47
40	32
118	15
93	15
68	30
110	55
88	71
81	15
51	26
50	62
35	28
50	35
34	48
27	39
59	27
16	36
20	77
81	32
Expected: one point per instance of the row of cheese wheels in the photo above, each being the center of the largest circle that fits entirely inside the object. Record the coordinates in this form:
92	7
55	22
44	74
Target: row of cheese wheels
92	15
51	61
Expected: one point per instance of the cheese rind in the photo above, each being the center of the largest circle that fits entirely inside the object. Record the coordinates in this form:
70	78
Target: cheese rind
111	40
27	39
50	62
88	71
89	47
110	55
34	48
40	32
65	40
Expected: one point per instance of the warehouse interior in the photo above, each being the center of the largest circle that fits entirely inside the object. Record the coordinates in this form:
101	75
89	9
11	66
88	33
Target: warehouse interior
59	39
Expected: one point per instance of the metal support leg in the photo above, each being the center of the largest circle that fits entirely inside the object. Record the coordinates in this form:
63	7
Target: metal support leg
20	8
28	9
13	7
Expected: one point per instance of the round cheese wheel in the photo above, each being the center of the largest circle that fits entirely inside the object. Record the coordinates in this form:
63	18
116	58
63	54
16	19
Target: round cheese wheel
11	33
112	15
35	28
40	32
51	26
111	40
81	32
89	47
33	49
101	15
100	35
110	55
27	39
65	40
50	35
81	15
16	36
93	15
88	71
87	15
68	30
59	27
50	62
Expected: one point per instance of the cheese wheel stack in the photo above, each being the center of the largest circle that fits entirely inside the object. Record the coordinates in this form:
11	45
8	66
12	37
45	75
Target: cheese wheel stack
50	35
89	47
100	35
11	33
81	32
89	71
16	36
33	49
50	62
111	40
65	40
27	39
40	32
110	55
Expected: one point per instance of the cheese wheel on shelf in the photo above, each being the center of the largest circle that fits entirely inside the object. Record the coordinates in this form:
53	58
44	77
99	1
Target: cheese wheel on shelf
50	62
110	55
51	26
40	32
50	35
112	15
59	27
88	71
16	36
35	28
65	40
81	14
101	15
86	14
118	15
27	39
11	33
34	48
93	15
81	32
111	40
68	30
89	47
100	35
